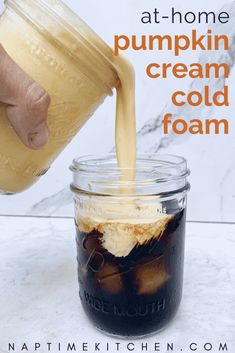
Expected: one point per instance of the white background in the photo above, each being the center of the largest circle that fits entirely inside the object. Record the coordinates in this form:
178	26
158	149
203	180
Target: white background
210	158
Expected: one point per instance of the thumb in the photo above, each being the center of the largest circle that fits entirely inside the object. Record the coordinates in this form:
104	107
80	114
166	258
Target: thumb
27	103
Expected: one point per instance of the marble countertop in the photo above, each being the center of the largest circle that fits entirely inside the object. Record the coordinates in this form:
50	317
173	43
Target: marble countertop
39	301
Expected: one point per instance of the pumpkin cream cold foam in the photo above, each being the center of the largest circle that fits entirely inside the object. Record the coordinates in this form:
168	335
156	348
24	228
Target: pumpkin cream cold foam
78	70
122	235
135	226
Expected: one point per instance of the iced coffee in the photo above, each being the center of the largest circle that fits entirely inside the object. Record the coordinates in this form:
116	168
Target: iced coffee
130	246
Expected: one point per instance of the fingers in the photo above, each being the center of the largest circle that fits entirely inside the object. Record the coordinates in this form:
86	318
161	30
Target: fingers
29	117
27	103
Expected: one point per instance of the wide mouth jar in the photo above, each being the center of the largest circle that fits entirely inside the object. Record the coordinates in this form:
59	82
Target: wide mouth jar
130	241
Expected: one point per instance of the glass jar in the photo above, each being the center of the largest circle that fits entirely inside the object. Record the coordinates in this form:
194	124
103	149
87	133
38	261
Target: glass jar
60	52
130	241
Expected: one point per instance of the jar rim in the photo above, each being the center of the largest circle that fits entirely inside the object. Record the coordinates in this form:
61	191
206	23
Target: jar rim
155	173
93	162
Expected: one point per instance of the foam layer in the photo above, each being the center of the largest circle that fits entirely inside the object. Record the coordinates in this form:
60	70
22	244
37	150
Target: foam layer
120	235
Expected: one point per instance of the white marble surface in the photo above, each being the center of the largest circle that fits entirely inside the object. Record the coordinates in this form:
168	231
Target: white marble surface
39	293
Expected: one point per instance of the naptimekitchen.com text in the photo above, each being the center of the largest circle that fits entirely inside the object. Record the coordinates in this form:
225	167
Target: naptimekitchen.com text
134	346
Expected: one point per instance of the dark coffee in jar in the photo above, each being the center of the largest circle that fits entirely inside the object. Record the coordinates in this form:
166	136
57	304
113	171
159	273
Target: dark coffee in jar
136	288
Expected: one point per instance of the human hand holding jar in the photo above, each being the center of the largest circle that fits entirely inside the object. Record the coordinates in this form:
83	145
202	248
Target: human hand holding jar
26	101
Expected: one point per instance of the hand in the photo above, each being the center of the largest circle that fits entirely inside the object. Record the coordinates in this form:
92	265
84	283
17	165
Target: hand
26	102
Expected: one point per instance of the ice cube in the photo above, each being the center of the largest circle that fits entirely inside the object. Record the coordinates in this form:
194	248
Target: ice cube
151	276
110	279
92	243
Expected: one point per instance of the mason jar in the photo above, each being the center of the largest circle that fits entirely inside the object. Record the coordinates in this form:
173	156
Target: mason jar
60	52
130	241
